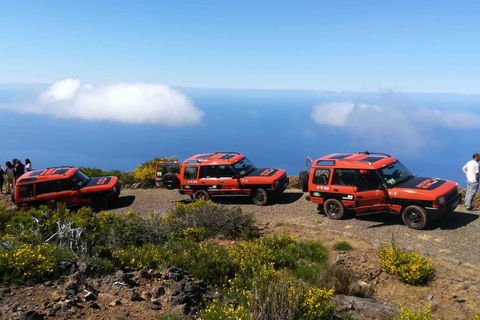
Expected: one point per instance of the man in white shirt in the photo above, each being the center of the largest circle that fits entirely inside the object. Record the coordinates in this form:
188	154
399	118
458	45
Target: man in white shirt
471	170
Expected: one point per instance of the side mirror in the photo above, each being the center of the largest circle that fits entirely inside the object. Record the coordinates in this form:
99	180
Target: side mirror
382	187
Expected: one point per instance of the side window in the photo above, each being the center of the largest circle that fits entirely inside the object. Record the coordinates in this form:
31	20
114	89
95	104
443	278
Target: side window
190	173
225	172
63	185
45	187
208	172
321	176
25	191
343	177
368	180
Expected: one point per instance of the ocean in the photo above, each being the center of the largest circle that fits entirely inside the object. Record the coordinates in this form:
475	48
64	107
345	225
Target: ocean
432	134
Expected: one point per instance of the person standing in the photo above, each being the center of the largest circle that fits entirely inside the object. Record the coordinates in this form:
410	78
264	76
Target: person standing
2	180
28	165
471	171
19	169
9	170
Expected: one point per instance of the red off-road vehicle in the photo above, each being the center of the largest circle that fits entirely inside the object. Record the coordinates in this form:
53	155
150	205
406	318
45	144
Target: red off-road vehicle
375	182
66	185
221	173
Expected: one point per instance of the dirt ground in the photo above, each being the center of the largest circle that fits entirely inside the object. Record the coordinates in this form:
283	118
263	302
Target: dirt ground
452	246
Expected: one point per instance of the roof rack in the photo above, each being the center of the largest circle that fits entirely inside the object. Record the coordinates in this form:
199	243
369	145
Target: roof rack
227	153
369	153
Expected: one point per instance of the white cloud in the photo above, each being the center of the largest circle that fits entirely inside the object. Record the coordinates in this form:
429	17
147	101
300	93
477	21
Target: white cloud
124	102
394	122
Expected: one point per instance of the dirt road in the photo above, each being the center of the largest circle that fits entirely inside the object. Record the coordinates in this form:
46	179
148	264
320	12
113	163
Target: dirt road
455	238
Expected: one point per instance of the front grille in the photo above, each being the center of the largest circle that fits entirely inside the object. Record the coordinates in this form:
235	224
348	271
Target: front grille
282	179
451	196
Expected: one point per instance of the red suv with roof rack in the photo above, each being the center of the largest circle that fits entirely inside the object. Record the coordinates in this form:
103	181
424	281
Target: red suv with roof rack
221	173
375	182
66	185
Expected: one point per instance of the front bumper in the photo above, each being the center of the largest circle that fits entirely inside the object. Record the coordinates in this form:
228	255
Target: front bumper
280	188
440	212
114	196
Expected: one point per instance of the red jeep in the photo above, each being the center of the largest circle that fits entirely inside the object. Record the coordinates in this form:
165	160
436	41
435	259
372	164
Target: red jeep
375	182
221	174
66	185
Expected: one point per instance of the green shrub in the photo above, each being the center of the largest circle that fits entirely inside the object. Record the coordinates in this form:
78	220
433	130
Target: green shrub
344	281
145	257
409	267
277	295
416	315
342	246
215	219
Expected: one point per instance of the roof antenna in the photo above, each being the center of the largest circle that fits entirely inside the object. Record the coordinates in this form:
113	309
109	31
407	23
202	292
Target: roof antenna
367	153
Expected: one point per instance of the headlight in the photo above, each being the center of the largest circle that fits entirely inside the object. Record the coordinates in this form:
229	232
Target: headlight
441	200
114	188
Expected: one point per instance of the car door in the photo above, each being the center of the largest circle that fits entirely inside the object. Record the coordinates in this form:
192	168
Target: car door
369	194
208	178
228	180
343	186
164	167
66	192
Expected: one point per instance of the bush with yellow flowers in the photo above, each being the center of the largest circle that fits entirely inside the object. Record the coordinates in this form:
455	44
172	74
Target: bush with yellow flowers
217	310
145	172
424	314
27	262
409	267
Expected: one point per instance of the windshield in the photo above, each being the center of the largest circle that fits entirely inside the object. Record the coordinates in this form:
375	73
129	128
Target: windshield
244	167
395	174
79	179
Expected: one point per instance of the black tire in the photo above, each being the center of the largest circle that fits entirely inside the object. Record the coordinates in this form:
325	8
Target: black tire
170	181
201	194
99	203
334	209
259	197
415	217
303	181
320	209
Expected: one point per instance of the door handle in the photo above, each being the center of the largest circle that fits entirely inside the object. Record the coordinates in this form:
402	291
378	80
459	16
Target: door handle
335	189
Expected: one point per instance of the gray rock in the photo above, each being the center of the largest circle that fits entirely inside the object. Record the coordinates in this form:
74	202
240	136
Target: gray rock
158	291
156	307
364	308
93	305
65	267
31	315
135	296
5	290
90	296
430	298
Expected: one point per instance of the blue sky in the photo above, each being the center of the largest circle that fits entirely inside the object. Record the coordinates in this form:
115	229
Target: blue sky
412	46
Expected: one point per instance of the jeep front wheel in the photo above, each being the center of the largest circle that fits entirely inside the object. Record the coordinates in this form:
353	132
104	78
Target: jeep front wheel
99	203
415	217
334	209
201	194
259	197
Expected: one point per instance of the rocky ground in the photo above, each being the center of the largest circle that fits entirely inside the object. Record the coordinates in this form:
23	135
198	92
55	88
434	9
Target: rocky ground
452	245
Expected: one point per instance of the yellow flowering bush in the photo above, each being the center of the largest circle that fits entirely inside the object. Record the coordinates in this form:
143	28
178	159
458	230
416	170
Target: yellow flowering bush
145	172
27	262
409	267
145	257
217	310
317	304
194	234
417	315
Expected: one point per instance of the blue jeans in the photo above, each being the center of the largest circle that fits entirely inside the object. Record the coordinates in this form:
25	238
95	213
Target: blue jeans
472	188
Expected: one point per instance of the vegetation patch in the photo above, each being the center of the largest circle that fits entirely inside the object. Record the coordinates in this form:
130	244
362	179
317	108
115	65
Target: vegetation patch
424	314
342	246
409	267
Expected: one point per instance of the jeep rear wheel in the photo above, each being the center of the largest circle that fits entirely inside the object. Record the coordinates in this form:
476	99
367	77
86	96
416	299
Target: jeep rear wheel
201	194
334	209
259	197
99	203
170	181
303	181
415	217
